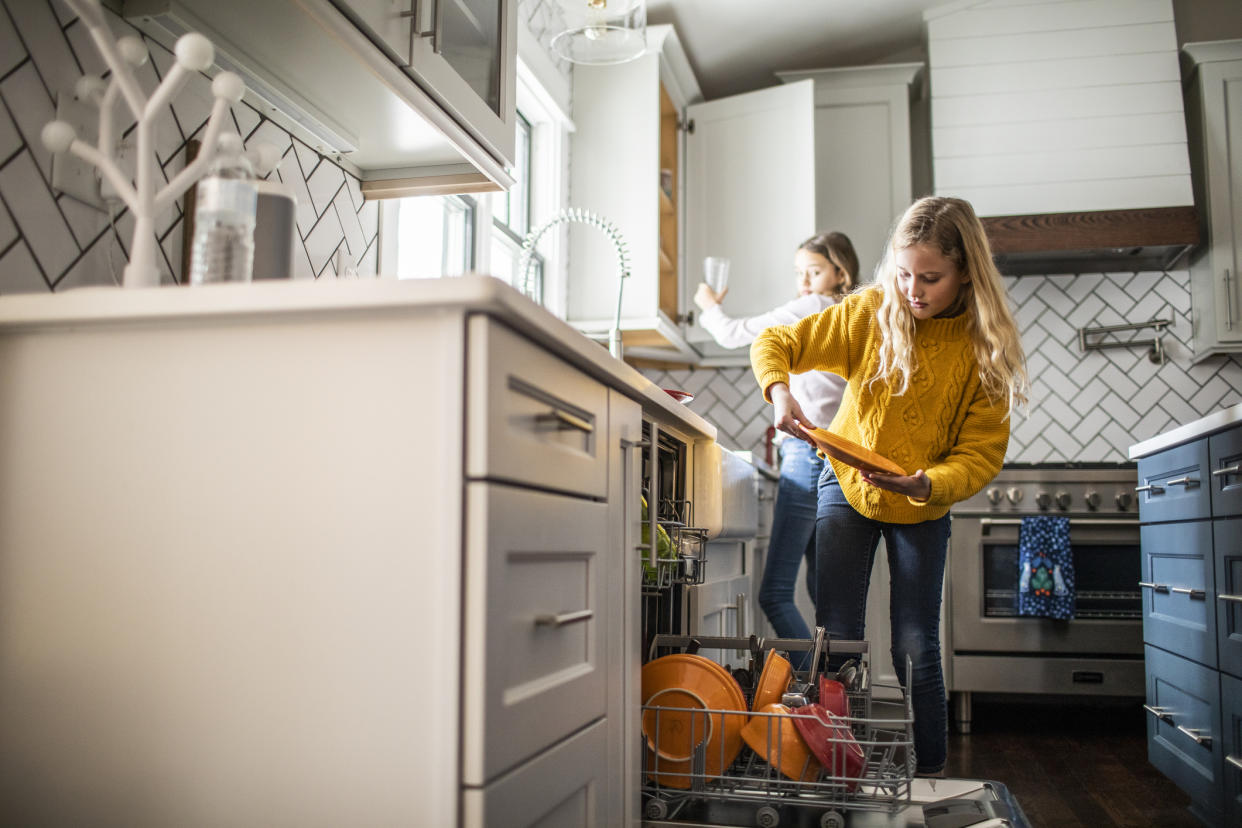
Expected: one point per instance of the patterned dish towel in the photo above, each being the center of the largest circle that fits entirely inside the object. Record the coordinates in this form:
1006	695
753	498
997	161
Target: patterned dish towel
1045	567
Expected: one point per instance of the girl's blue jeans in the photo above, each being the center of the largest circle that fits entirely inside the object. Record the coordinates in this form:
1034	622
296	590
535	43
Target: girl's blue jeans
916	557
792	541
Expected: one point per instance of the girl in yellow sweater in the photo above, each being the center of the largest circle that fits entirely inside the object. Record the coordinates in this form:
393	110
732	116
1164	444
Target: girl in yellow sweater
933	365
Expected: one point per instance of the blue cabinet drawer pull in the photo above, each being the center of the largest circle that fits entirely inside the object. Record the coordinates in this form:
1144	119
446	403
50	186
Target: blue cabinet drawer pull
1193	593
1228	470
561	619
1149	488
1187	481
1199	738
1236	598
1160	713
1234	760
1156	587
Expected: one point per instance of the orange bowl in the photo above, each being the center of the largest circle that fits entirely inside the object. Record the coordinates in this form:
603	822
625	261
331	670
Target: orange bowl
776	739
688	697
773	680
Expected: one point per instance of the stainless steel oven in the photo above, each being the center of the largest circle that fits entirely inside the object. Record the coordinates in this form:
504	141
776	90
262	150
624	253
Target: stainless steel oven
992	648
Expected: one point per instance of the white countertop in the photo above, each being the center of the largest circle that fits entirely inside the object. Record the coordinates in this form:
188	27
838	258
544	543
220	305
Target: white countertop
471	294
1202	427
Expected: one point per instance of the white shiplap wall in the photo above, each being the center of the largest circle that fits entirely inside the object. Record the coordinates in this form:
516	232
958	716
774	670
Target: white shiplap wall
1051	106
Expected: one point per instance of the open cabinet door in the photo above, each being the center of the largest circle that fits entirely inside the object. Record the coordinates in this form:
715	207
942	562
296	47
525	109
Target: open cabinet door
750	197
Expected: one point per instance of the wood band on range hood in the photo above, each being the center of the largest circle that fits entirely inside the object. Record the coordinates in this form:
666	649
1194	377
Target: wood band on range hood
1101	241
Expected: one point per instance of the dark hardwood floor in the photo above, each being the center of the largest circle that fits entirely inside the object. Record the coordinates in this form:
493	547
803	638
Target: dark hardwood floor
1070	764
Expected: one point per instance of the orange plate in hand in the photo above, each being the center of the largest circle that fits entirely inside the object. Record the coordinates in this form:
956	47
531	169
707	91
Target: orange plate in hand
847	451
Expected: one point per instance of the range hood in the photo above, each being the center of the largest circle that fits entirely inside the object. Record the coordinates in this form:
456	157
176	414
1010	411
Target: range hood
1100	241
1063	124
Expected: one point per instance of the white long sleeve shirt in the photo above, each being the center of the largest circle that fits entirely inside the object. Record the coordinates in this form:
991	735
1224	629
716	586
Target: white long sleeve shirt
817	392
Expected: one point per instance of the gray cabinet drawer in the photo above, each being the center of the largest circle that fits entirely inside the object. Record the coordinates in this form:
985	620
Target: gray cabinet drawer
1227	540
1225	452
1231	733
1173	485
531	417
562	788
533	648
1179	598
1183	725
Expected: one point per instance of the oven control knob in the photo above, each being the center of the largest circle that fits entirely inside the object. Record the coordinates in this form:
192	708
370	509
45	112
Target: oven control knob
994	496
1093	500
1043	500
1123	500
1063	500
1014	494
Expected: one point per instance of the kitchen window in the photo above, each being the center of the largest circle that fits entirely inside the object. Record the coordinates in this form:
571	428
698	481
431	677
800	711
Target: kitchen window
436	236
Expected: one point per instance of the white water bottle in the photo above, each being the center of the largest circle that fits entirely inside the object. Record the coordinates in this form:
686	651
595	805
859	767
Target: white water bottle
223	247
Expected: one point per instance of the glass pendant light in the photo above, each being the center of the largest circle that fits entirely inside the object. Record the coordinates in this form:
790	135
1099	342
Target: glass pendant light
601	32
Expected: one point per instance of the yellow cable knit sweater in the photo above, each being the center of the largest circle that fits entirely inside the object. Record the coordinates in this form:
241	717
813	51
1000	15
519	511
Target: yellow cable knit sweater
944	424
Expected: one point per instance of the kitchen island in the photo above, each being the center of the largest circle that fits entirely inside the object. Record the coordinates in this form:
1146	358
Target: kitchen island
343	553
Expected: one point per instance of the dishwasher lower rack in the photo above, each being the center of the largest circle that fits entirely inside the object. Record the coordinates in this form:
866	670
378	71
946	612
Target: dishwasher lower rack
699	769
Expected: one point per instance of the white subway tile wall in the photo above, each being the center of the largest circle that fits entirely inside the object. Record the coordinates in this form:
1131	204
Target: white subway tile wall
50	241
1086	406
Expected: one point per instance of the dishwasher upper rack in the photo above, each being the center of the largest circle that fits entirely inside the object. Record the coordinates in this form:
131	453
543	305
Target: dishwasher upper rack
687	565
751	791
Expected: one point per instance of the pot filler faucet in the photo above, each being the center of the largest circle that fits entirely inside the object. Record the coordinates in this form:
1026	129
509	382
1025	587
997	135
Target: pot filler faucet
576	214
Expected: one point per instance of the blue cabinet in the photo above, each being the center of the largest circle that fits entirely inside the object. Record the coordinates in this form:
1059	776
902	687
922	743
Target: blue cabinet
1190	514
1178	613
1183	715
1231	733
1225	453
1172	484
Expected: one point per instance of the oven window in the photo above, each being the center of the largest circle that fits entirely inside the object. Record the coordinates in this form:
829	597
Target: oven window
1106	580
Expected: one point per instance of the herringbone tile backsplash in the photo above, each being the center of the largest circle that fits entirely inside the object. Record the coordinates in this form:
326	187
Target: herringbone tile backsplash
50	241
1086	406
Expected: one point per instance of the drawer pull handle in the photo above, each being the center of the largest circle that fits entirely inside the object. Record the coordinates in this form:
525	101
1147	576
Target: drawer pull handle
1187	481
1150	488
564	618
563	419
1199	738
1156	587
1193	593
1234	760
1234	598
1228	470
1160	713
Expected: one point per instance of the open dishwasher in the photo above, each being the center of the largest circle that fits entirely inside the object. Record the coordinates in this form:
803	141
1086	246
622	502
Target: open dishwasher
768	745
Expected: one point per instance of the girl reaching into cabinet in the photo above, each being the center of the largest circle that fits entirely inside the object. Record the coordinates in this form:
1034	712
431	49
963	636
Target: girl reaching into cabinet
933	365
826	267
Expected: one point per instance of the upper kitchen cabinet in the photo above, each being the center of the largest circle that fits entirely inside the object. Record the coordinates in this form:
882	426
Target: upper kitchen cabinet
872	150
1214	128
682	179
417	96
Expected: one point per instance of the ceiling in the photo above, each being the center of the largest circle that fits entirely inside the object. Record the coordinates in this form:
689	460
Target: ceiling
738	45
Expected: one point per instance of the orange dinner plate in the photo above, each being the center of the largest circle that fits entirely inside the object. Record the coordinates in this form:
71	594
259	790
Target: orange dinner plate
773	680
847	451
776	738
675	688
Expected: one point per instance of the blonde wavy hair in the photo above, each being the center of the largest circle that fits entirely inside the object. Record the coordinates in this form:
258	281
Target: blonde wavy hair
951	226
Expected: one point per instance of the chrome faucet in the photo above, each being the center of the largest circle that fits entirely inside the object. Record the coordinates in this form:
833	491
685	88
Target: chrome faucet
577	214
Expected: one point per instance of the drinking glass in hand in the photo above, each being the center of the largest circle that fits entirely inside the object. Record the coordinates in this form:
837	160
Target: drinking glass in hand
716	273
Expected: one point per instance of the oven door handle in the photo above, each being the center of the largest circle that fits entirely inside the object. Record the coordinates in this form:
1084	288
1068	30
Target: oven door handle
987	522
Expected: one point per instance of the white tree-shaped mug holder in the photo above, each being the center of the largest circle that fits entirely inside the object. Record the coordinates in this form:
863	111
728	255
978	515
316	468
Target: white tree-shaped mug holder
194	53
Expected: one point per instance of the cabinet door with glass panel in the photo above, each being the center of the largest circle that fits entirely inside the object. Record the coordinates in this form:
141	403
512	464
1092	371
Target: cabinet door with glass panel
461	52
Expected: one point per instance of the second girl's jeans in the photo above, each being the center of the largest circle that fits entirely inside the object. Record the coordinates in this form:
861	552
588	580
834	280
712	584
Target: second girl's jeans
793	539
916	559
